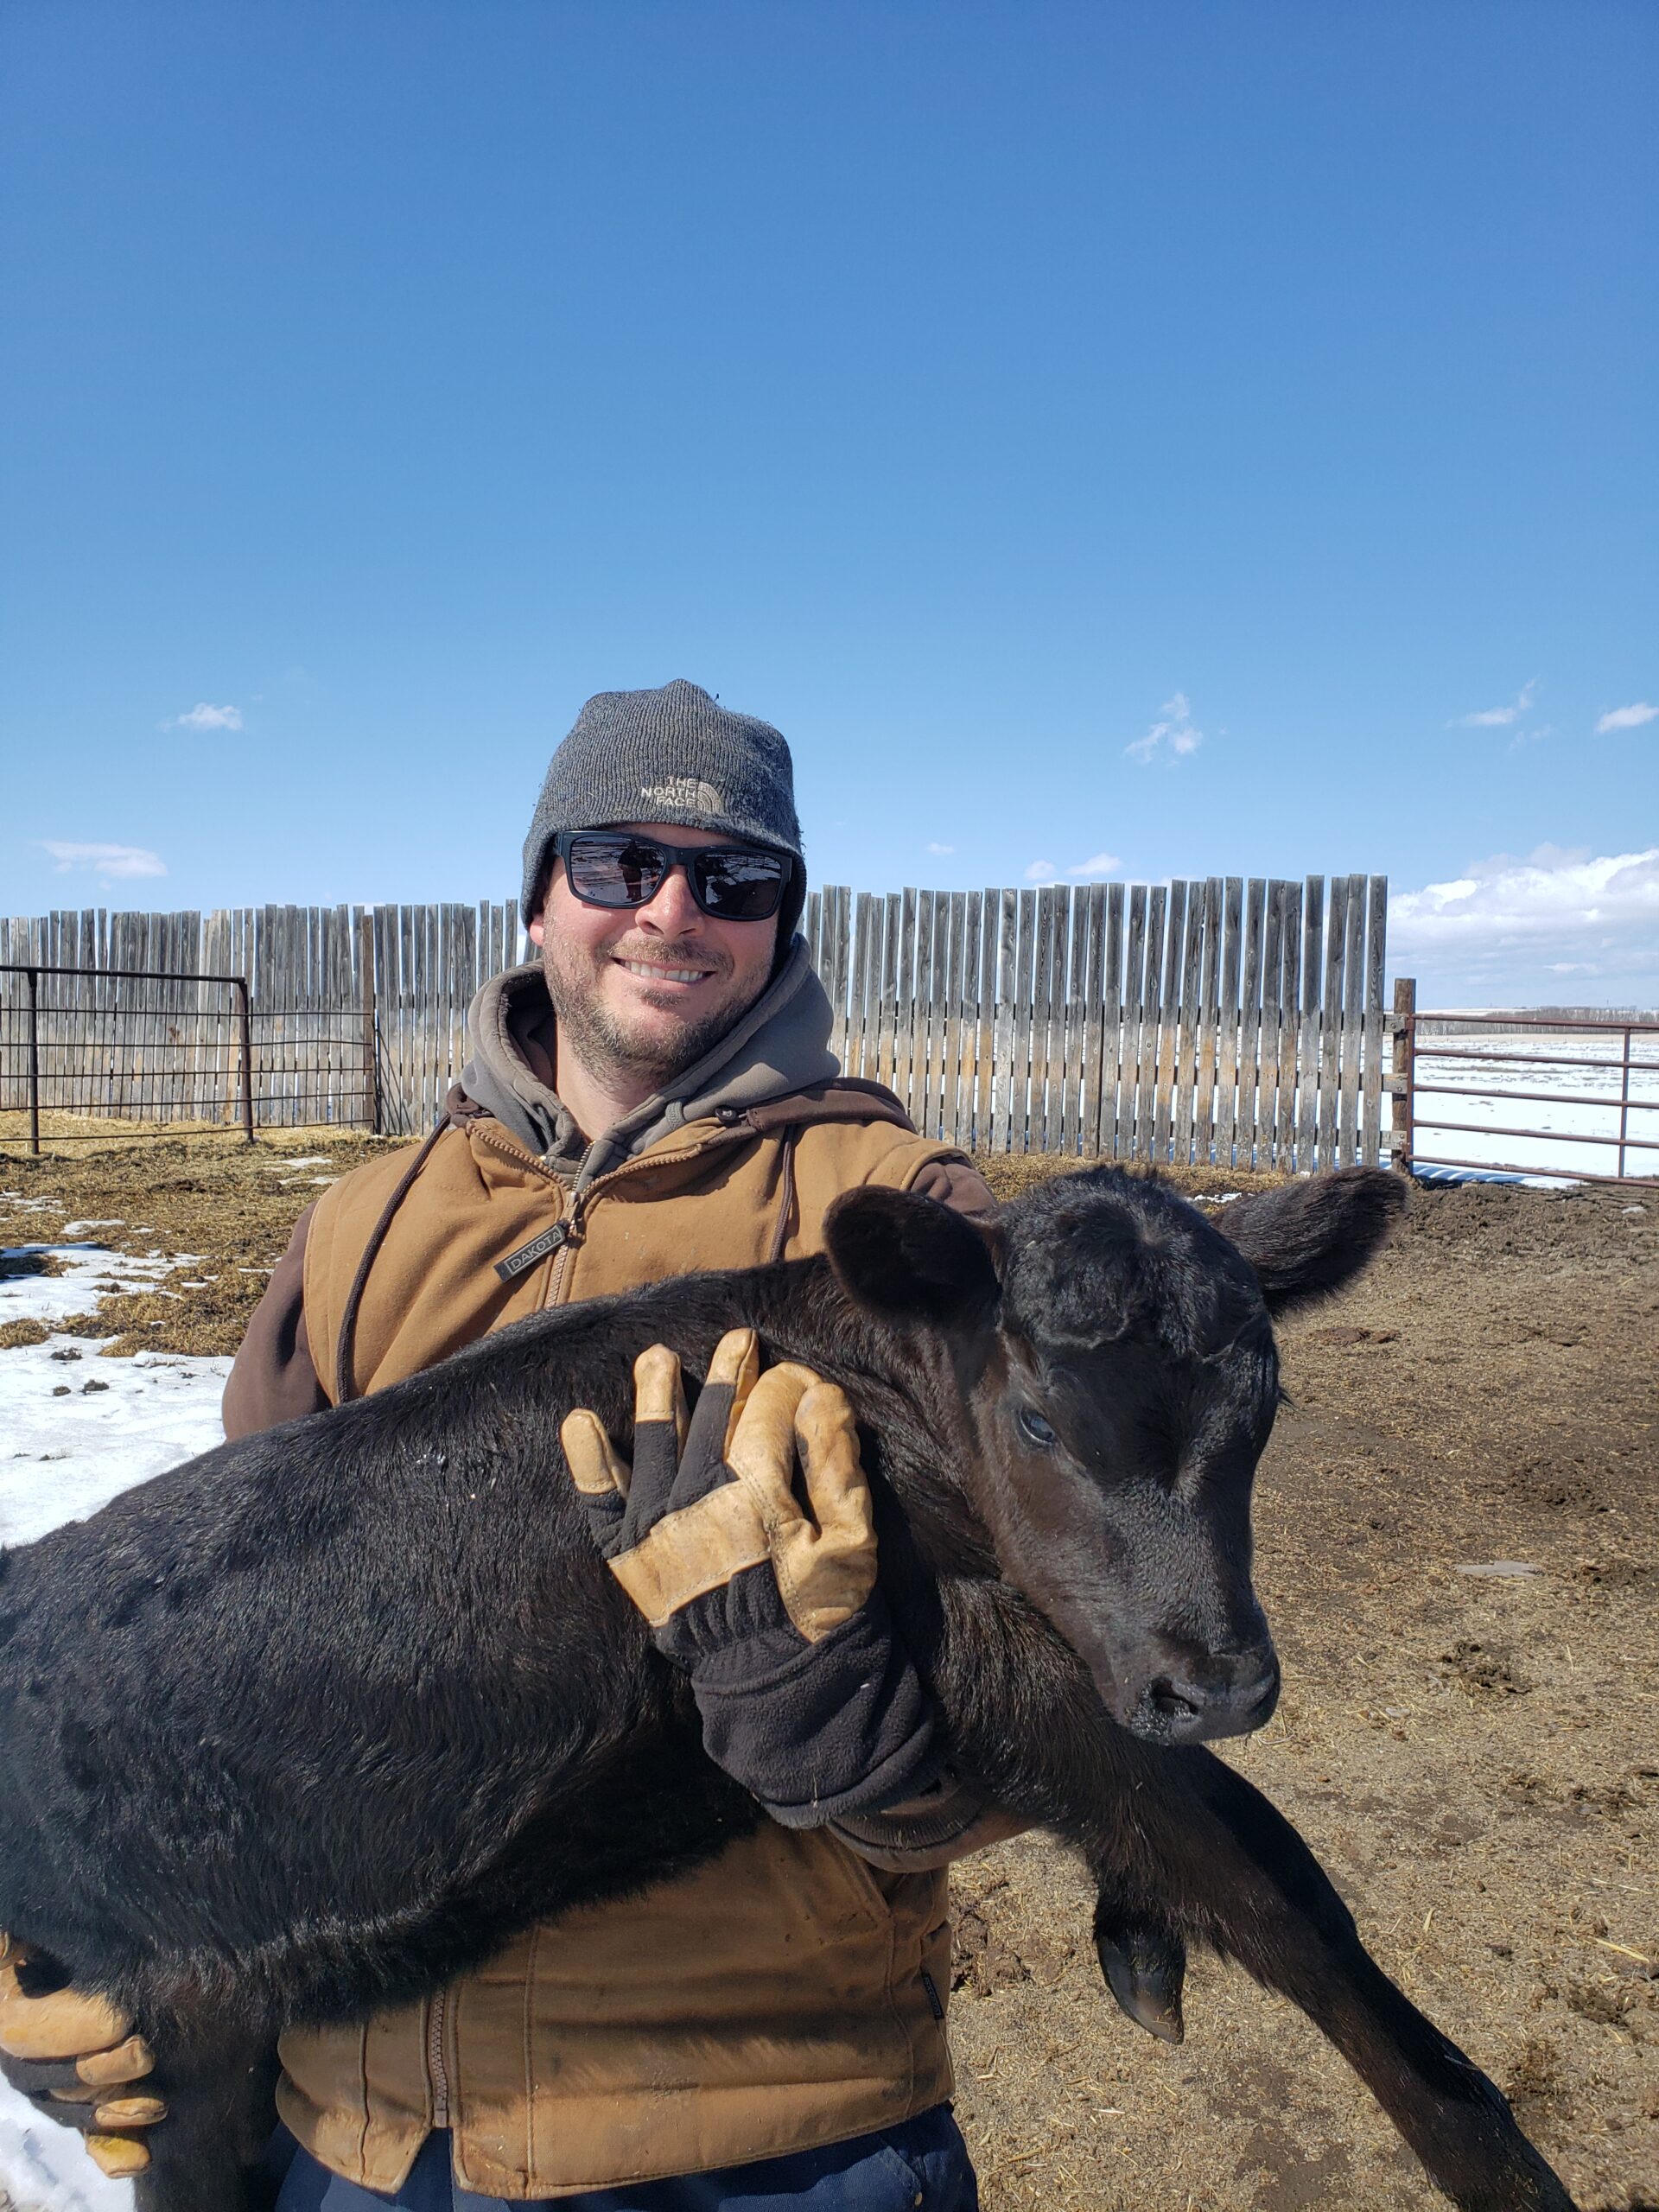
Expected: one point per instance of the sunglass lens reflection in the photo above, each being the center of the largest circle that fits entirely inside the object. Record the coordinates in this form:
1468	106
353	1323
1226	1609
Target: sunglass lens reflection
731	884
738	887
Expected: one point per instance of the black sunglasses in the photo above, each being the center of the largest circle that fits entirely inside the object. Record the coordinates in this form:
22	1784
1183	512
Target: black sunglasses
615	867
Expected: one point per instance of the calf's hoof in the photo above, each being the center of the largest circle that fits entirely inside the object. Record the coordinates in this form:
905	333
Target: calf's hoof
1144	1965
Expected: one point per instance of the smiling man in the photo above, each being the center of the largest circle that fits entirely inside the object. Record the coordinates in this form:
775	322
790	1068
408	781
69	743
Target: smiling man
641	993
656	1095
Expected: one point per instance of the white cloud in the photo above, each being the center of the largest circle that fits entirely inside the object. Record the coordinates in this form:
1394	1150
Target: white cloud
202	716
1534	735
1102	864
1173	729
941	849
1500	717
1041	872
1505	923
1627	717
109	860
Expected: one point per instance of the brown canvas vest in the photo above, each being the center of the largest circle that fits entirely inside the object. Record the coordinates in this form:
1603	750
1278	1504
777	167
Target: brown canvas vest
783	1996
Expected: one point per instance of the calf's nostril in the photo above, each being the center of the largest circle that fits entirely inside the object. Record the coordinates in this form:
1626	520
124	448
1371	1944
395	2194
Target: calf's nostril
1165	1698
1262	1693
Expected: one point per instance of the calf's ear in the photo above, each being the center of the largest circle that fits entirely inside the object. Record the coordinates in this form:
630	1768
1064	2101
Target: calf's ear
1311	1239
909	1259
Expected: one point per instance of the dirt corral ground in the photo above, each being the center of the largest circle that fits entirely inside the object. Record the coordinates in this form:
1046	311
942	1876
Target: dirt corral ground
1474	1756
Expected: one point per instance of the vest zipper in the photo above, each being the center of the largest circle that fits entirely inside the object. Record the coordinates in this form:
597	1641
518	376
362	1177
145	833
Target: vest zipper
437	2074
583	1199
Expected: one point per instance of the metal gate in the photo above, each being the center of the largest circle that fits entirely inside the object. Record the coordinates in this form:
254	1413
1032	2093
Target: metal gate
1616	1060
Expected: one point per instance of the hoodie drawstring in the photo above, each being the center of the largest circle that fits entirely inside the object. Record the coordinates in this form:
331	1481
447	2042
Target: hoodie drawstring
786	1201
344	1350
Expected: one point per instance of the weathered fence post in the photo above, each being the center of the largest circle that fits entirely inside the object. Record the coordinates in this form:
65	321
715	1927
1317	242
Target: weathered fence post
1401	1136
370	1057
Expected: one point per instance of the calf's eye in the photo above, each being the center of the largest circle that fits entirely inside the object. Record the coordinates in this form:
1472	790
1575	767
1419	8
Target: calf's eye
1035	1428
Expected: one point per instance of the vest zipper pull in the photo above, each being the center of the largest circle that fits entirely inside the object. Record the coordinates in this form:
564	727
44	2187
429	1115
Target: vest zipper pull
519	1262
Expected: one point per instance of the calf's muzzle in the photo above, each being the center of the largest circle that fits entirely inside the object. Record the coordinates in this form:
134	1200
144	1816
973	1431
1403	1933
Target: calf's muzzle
1225	1693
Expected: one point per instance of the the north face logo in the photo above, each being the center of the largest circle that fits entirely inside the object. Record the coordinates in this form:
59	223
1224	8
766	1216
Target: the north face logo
691	794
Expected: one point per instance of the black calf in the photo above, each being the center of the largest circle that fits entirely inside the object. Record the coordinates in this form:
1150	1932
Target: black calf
313	1723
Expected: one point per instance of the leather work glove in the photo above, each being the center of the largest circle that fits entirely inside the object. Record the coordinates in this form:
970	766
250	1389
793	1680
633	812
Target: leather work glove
807	1696
75	2058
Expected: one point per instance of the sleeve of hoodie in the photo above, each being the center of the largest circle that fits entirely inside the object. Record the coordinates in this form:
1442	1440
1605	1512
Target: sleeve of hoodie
272	1378
956	1182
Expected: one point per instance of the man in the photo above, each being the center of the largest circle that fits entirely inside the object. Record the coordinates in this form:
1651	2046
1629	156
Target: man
656	1095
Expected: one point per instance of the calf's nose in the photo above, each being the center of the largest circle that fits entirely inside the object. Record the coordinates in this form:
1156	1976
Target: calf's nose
1228	1694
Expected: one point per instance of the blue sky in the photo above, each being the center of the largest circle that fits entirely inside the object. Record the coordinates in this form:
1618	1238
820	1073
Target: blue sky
1157	438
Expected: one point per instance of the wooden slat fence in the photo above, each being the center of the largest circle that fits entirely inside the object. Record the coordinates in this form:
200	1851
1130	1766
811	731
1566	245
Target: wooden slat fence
1239	1023
1223	1019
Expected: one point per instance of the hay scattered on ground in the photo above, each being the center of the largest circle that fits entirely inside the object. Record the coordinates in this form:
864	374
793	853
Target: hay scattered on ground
230	1207
1010	1175
13	1335
80	1132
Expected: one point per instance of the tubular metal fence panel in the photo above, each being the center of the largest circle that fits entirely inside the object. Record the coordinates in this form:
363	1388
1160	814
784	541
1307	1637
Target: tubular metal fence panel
95	1044
1552	1057
1219	1020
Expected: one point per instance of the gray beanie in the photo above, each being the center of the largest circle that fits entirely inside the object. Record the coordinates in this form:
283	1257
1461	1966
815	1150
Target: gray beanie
674	755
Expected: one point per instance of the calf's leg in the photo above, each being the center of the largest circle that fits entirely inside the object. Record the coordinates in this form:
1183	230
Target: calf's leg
1195	1848
219	2086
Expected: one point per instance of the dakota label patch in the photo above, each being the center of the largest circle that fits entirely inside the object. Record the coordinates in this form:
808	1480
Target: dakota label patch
517	1263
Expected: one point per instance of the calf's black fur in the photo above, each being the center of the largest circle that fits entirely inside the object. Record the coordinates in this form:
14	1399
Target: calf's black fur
313	1722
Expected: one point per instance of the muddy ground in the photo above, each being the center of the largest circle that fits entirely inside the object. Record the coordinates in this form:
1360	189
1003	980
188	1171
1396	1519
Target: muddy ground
1475	1758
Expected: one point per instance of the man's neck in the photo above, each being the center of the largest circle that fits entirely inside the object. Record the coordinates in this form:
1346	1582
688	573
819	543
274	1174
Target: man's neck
598	1098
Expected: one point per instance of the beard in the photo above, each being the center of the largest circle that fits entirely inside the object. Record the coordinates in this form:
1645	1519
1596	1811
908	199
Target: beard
611	1044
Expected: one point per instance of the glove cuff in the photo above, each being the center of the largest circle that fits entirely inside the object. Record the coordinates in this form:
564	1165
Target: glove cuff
818	1730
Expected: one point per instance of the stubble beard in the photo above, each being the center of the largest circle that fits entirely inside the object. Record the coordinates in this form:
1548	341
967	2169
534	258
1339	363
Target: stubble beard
610	1047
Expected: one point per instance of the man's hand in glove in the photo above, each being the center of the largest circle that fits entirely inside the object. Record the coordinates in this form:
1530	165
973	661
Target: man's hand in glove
807	1696
75	2057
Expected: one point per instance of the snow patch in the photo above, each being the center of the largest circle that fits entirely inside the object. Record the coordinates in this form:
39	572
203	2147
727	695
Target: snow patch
44	2168
63	1450
62	1457
54	1297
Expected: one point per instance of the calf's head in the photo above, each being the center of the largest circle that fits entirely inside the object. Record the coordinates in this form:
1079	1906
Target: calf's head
1112	1354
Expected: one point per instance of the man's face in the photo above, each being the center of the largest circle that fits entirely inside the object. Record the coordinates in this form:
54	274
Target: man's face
648	990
